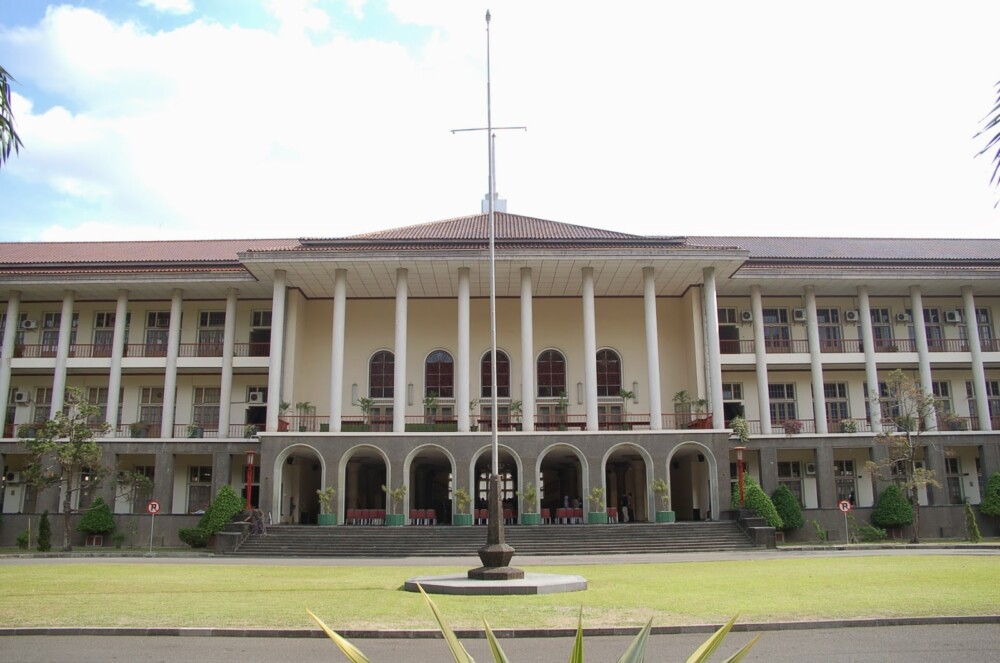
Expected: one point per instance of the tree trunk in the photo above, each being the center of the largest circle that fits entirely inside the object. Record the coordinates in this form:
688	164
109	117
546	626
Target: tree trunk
915	496
67	507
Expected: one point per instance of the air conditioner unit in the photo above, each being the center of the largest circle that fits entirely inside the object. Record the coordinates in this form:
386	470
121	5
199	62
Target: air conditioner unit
811	469
21	397
954	317
851	315
13	477
256	397
903	317
29	324
799	314
746	316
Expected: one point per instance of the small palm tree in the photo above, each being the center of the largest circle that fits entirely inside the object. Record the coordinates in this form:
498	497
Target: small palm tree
9	140
992	125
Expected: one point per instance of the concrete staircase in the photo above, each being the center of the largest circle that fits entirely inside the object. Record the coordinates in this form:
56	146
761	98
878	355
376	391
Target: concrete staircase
448	541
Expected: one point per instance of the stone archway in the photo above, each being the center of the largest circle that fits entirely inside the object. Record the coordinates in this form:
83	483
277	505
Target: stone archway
628	471
694	486
363	471
562	476
510	478
429	471
299	471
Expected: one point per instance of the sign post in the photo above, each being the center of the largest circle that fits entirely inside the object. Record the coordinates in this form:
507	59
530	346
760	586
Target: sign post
845	506
152	508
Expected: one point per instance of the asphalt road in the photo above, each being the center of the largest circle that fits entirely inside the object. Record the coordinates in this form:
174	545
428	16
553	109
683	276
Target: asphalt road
889	644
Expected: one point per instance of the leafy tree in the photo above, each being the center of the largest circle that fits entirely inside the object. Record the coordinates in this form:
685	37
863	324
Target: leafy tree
992	124
912	406
788	507
221	511
971	526
990	506
97	519
892	509
44	533
9	140
758	500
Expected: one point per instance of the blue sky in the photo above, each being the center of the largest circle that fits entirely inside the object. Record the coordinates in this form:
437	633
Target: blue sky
158	119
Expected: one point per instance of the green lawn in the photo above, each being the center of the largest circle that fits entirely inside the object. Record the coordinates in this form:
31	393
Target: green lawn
124	594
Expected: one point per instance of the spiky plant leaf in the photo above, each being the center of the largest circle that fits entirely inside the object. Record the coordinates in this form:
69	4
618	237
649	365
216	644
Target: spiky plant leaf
709	646
741	654
577	655
498	655
636	652
457	650
352	653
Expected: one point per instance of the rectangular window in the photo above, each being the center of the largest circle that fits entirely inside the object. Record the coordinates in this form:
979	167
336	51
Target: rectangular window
205	410
992	397
139	497
777	333
151	405
199	488
782	402
99	396
932	325
609	416
260	333
942	396
381	417
551	417
19	339
43	404
50	333
729	332
157	333
485	419
211	331
790	475
882	330
890	408
836	401
953	476
104	332
830	332
985	326
843	471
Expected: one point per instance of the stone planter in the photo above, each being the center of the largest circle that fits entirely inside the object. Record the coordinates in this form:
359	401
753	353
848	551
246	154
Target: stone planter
666	517
327	519
462	519
395	520
597	517
535	519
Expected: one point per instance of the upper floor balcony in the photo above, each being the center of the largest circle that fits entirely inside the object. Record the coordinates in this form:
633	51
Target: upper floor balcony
848	346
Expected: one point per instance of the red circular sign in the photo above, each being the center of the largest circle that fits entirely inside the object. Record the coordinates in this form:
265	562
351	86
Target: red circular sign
152	507
844	506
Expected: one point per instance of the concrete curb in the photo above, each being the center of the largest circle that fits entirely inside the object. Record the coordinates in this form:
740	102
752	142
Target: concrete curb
500	633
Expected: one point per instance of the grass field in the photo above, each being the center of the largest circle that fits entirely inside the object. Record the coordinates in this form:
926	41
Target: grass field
196	595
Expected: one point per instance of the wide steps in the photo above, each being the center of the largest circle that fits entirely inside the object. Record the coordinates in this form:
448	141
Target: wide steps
449	541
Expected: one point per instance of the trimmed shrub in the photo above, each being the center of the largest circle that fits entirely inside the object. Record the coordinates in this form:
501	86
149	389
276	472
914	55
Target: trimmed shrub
97	519
193	536
22	540
971	526
788	507
44	533
893	509
758	500
990	506
226	505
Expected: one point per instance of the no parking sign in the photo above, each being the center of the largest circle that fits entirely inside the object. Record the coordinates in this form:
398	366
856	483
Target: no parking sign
152	508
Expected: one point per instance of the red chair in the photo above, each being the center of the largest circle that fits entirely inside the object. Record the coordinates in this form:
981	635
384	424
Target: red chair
352	516
561	516
547	516
612	514
414	517
508	516
482	516
578	515
379	517
431	517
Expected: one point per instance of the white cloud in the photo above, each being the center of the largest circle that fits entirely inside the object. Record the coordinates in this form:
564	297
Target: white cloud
648	117
169	6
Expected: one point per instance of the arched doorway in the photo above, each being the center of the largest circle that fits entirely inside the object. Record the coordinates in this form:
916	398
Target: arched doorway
562	477
626	469
430	471
300	472
510	477
364	470
694	490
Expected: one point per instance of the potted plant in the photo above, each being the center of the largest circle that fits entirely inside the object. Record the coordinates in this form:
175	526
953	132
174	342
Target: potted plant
250	430
682	407
194	430
473	423
848	426
662	491
462	501
304	409
792	426
515	414
954	422
597	514
283	424
530	515
394	499
96	522
563	409
138	429
626	396
326	512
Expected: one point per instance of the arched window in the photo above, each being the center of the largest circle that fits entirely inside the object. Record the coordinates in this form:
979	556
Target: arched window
439	375
503	376
551	371
381	373
609	373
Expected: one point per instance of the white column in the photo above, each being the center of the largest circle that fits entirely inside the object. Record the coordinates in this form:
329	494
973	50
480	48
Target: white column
62	354
527	354
462	396
170	376
978	372
923	353
228	350
337	349
815	362
652	349
589	348
760	356
399	379
871	369
7	353
117	352
714	357
277	355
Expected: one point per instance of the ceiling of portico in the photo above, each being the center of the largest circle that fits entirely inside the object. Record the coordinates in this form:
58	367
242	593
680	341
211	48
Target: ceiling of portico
832	281
141	287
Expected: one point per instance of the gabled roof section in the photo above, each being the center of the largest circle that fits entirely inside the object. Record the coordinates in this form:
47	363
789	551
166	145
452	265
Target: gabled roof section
508	226
818	250
91	256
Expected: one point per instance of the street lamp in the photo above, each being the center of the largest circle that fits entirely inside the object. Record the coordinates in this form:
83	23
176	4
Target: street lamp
250	455
739	469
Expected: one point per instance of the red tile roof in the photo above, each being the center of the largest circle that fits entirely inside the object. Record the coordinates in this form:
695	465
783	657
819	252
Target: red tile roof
508	226
139	253
800	249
